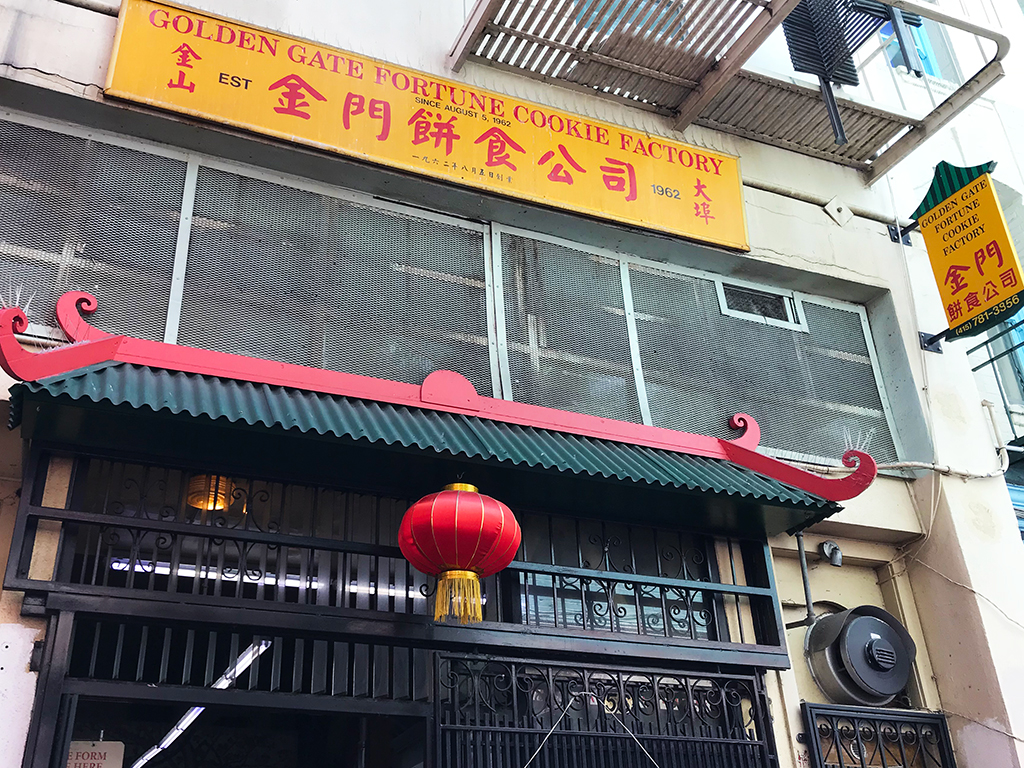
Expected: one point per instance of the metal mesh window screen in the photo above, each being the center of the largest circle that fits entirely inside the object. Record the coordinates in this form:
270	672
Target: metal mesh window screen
77	214
814	393
290	275
567	341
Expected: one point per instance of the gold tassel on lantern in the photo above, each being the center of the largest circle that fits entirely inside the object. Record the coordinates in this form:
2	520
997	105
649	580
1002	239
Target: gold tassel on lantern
458	594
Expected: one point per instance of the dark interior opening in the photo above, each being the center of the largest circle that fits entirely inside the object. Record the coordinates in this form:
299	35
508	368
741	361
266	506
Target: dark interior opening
243	737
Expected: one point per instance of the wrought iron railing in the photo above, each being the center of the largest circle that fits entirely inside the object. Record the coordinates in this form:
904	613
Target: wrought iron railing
167	557
497	712
866	737
102	554
155	532
577	598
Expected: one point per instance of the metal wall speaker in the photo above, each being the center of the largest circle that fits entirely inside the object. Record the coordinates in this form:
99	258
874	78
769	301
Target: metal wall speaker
861	656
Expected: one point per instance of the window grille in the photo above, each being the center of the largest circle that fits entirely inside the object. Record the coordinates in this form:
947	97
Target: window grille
614	577
566	325
865	737
163	532
291	275
301	273
756	303
192	656
77	214
814	393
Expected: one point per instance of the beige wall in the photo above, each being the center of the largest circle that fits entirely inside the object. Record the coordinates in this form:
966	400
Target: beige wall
17	634
871	574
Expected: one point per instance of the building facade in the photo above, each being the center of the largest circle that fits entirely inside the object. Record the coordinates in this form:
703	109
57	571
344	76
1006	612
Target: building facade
229	335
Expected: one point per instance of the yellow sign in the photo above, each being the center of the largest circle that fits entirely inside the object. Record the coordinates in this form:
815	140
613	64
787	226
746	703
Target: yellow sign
973	258
219	70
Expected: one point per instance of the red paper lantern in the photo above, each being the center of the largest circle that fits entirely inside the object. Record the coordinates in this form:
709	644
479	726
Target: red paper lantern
459	535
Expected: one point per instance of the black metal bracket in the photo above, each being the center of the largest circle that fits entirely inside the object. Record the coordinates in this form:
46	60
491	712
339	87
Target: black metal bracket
35	660
34	604
902	235
906	42
832	107
930	343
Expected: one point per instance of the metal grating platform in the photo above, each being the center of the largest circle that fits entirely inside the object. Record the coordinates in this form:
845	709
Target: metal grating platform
669	57
791	116
684	59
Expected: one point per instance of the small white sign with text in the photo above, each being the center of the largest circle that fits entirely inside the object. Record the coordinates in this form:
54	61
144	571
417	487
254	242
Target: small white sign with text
96	754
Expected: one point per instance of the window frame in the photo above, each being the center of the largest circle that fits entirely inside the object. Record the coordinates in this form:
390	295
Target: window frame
792	301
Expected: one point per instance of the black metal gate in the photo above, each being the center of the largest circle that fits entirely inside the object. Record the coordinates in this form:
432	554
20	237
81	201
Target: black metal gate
496	713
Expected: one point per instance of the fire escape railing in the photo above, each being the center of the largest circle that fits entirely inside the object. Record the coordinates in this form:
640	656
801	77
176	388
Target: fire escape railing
999	357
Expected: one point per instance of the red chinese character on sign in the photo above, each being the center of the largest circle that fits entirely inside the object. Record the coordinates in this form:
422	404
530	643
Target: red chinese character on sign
990	251
989	291
355	104
954	311
444	130
558	171
971	301
700	187
703	211
181	83
185	55
955	279
498	143
293	97
620	176
1008	278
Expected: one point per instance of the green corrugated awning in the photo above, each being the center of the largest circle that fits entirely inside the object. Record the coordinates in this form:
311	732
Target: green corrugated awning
948	180
196	395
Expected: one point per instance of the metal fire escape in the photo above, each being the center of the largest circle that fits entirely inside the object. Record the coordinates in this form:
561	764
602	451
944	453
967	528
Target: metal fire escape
685	59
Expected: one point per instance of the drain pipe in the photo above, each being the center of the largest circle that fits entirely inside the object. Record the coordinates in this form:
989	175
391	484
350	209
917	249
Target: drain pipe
809	620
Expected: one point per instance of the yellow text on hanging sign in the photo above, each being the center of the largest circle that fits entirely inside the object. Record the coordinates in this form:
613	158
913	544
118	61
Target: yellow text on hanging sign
292	89
973	259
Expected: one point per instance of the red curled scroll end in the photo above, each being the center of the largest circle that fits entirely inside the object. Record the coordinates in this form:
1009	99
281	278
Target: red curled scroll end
12	354
832	489
22	364
856	483
843	488
751	436
70	308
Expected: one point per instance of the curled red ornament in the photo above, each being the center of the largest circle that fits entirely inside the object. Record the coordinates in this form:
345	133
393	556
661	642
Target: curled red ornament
459	535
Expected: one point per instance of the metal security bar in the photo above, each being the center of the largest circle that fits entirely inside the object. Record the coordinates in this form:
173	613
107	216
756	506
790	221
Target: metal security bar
865	737
496	712
109	654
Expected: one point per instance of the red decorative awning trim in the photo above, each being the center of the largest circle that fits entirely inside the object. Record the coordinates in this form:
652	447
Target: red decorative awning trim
441	391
